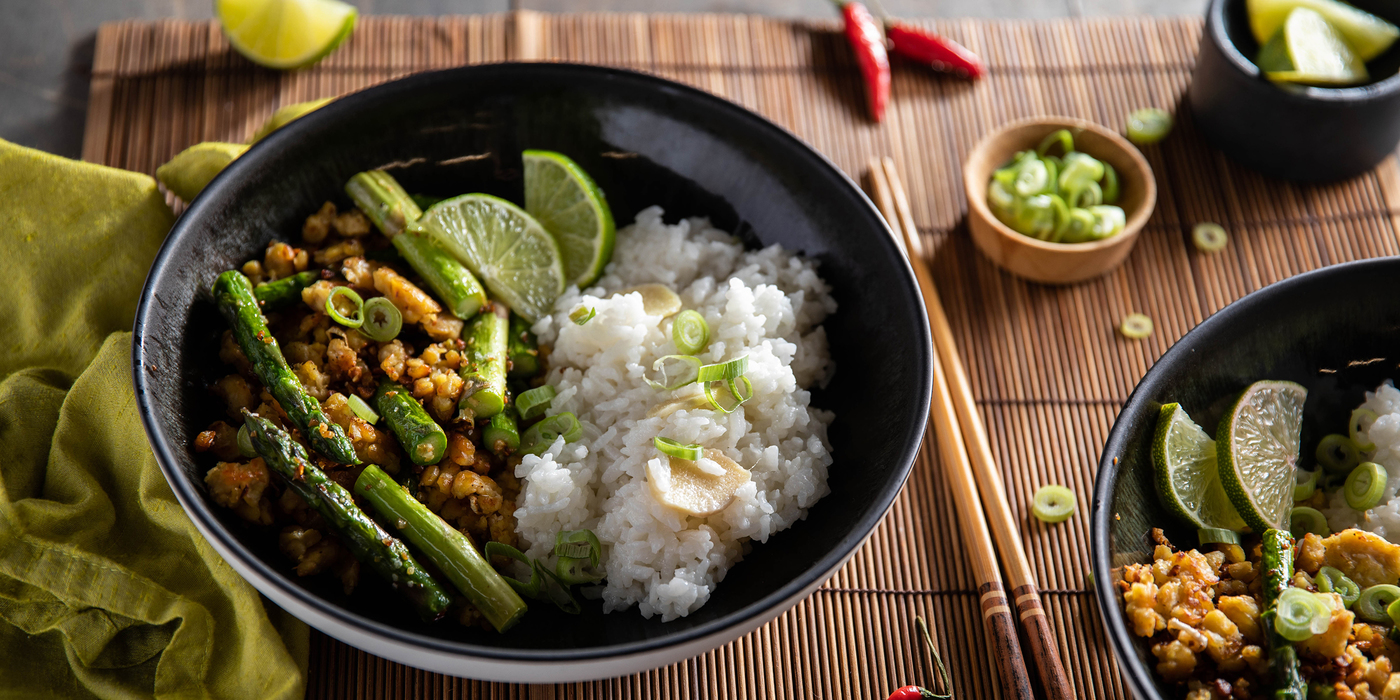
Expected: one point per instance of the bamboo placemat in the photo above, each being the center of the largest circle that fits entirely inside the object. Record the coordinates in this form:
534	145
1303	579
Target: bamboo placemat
1048	369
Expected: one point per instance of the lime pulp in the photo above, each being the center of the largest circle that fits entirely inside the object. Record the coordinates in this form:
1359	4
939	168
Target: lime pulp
566	201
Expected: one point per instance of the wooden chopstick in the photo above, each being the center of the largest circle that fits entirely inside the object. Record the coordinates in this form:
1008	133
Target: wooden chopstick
1030	610
996	614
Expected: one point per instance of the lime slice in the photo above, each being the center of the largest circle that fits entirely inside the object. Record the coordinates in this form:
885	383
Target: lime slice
1308	50
566	201
191	169
1187	478
1257	452
511	252
1368	35
285	33
287	115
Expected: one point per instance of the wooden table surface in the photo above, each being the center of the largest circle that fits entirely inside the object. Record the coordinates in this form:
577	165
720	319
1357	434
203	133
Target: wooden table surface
46	45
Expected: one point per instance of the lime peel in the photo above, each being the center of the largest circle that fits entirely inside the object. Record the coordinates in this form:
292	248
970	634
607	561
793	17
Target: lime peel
1257	448
569	204
1186	474
285	34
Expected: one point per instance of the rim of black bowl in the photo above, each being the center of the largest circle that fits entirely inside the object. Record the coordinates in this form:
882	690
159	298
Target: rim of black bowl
1215	29
343	108
1139	677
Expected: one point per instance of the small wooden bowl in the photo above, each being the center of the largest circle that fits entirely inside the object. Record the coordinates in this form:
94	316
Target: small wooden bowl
1056	263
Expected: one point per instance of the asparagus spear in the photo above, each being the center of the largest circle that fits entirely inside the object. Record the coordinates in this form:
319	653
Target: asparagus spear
484	363
445	547
419	435
286	291
502	434
234	295
365	539
381	198
524	352
1283	658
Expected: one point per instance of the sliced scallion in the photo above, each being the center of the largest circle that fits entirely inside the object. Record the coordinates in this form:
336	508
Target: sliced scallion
362	409
583	314
357	317
1305	484
578	544
1053	503
733	392
674	372
1354	428
1110	184
1136	326
543	434
383	320
690	332
1209	237
1303	520
1032	178
1373	602
1061	138
530	588
673	448
1217	535
1337	454
724	371
1149	125
533	403
1365	486
1298	614
1330	580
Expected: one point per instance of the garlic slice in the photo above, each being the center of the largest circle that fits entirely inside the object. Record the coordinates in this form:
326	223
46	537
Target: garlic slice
685	486
657	299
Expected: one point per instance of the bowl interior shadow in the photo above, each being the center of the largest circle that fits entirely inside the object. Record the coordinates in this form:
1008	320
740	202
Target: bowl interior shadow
645	141
1336	331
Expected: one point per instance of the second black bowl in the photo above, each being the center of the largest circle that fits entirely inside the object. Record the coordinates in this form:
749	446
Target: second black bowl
1307	134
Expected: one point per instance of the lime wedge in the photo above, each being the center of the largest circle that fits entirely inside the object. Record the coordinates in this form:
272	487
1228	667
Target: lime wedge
1368	35
287	115
191	169
1308	50
1186	475
566	201
511	252
285	33
1257	452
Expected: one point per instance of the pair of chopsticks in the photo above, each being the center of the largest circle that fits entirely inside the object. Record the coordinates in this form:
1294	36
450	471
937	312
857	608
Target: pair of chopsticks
975	478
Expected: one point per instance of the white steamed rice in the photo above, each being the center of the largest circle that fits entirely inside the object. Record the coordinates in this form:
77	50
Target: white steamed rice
767	303
1384	519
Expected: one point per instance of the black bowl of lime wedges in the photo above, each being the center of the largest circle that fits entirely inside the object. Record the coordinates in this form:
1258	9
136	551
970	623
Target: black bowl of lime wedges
1303	90
1307	330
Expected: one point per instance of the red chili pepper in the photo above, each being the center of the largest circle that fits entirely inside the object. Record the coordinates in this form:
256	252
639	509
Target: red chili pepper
913	692
940	52
868	41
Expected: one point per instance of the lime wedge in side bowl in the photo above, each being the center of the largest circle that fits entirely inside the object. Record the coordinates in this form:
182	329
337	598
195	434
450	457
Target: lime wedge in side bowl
1257	448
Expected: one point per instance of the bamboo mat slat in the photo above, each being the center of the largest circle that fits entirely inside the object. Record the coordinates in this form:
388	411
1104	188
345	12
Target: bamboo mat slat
1047	367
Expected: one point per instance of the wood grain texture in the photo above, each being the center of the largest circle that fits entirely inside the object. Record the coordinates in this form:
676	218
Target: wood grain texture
1047	368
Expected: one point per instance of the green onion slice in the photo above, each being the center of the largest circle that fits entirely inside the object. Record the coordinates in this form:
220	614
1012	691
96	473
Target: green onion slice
1374	601
1365	486
543	434
1080	169
1330	580
1035	216
1000	200
1217	535
1354	428
1136	326
1299	614
690	332
533	403
1209	237
1305	484
383	320
583	314
578	544
530	588
1149	125
724	371
1108	220
1062	138
362	409
357	317
557	591
245	444
738	397
1053	503
1032	177
1110	184
675	372
673	448
1337	454
1078	227
1303	520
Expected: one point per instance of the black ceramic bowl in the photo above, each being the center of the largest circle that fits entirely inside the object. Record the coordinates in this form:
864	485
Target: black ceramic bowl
1309	329
646	141
1307	134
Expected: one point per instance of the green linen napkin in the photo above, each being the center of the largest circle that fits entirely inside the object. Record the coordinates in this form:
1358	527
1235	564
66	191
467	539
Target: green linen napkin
107	589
